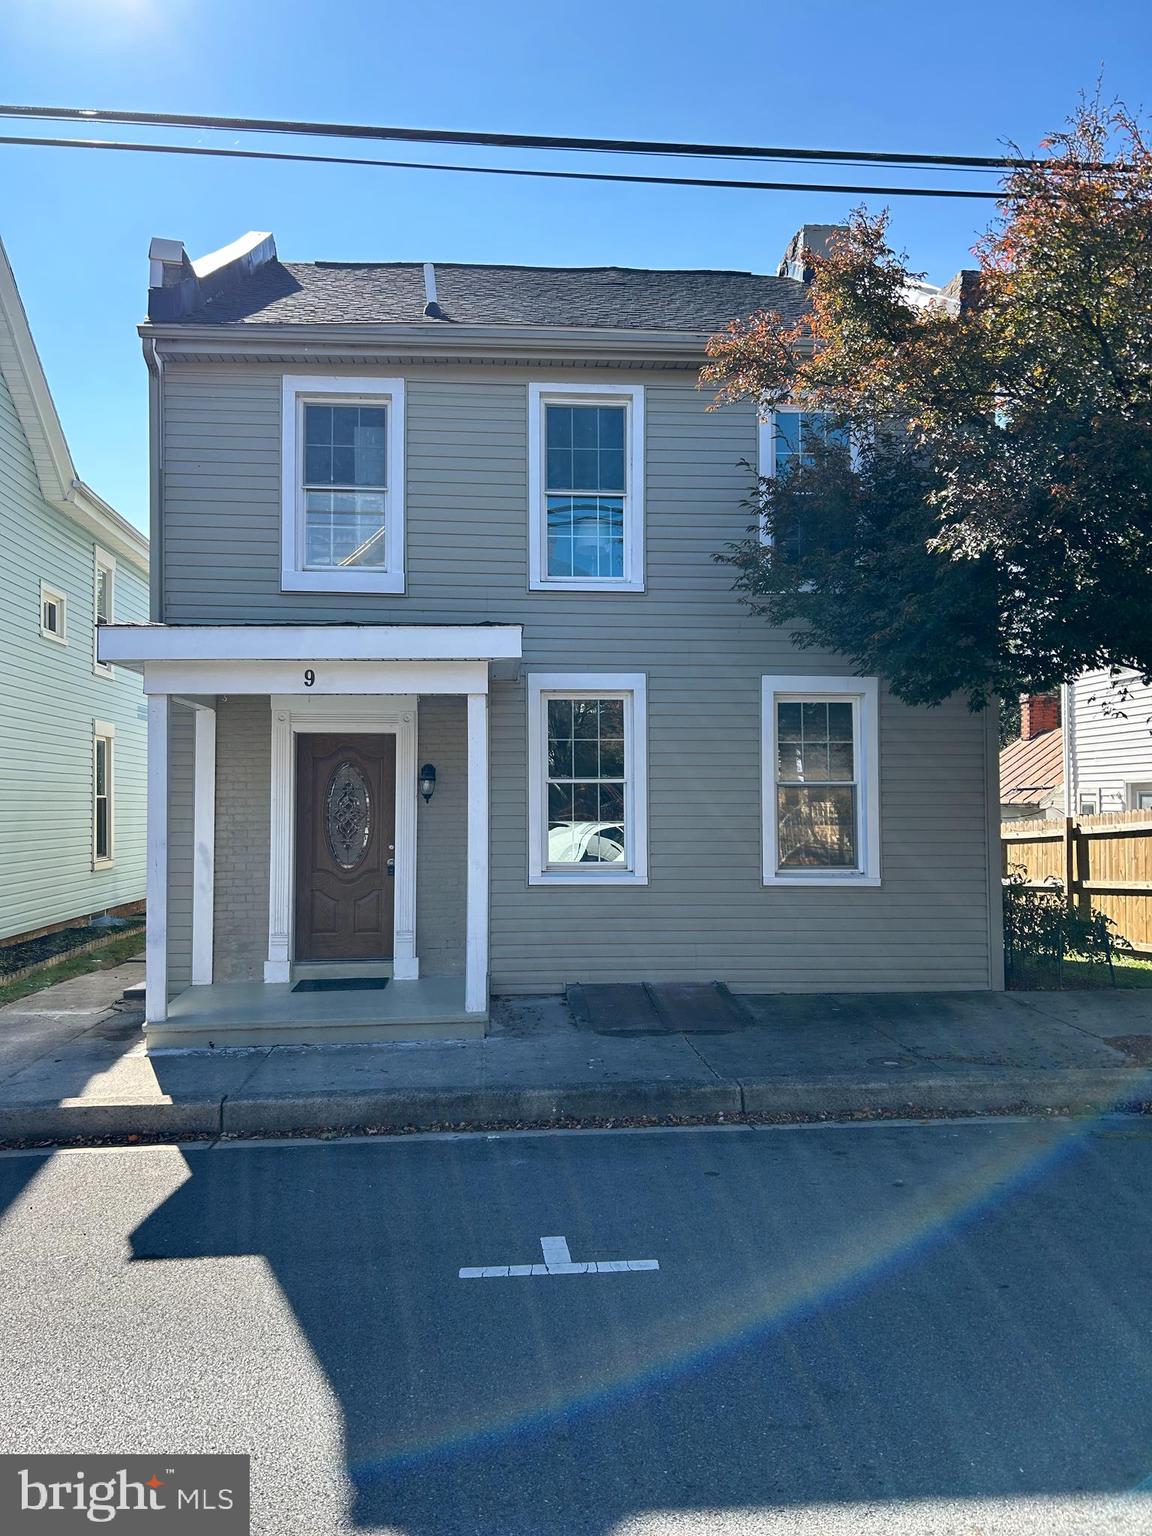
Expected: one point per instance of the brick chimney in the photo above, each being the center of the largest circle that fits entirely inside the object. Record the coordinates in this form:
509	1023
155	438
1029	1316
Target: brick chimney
1039	712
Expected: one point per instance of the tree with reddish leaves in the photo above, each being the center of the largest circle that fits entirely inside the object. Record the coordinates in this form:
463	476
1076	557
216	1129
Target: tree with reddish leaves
981	522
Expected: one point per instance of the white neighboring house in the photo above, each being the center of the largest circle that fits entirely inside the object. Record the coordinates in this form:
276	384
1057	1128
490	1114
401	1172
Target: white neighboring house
1107	744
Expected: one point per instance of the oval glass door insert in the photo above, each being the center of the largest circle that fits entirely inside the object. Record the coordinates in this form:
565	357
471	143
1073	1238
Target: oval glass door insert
349	815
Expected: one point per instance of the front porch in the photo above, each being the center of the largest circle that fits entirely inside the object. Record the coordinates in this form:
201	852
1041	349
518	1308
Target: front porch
254	1013
301	888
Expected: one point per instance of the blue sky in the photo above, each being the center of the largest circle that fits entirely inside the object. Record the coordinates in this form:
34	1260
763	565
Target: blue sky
941	79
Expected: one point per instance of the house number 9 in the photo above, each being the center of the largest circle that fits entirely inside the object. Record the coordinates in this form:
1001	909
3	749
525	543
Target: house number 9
309	677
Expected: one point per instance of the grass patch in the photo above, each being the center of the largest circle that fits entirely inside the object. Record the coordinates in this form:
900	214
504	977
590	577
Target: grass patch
113	953
1132	972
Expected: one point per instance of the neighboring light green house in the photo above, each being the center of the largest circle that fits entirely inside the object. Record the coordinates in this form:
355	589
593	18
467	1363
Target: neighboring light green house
73	731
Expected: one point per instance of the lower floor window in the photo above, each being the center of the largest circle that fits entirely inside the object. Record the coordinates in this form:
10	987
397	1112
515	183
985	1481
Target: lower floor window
102	769
821	801
588	790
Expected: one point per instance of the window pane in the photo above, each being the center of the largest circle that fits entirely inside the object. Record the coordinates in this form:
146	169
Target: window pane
840	722
586	793
103	846
101	767
344	529
586	536
585	446
788	722
840	761
817	827
345	445
103	595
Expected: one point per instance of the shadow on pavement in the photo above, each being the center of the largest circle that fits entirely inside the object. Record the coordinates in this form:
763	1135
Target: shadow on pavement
869	1315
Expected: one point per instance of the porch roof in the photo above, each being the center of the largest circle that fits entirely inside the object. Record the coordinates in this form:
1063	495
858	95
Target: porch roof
135	645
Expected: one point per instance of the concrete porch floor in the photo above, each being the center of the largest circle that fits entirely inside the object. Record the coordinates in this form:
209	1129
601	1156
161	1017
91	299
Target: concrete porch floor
254	1013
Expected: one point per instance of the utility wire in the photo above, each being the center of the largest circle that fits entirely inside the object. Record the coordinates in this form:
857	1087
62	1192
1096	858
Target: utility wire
512	140
493	170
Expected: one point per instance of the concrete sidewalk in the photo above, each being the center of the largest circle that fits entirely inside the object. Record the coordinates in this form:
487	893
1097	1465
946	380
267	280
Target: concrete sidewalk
72	1067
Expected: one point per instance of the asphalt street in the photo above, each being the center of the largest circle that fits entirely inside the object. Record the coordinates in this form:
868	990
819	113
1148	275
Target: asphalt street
939	1329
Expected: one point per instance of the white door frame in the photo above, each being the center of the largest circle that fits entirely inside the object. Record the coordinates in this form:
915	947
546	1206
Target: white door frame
380	715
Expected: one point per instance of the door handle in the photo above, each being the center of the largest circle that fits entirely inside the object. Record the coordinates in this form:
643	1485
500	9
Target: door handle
391	868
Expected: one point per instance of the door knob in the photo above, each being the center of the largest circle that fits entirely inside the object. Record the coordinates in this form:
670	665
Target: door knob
392	867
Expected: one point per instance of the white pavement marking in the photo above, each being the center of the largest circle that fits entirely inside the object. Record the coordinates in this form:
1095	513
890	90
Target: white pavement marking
558	1261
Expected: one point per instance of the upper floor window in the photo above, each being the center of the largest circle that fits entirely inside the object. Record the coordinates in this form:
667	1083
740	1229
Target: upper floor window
787	438
342	503
586	487
53	614
103	606
820	754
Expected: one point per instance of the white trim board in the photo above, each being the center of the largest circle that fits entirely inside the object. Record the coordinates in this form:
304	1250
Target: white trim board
864	692
633	686
132	644
296	389
316	679
568	391
292	715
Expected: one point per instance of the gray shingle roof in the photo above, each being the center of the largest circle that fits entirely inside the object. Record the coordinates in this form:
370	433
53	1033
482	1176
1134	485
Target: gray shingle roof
392	293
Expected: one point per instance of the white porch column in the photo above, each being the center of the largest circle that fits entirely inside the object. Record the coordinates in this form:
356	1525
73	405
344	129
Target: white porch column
277	967
476	965
204	844
156	944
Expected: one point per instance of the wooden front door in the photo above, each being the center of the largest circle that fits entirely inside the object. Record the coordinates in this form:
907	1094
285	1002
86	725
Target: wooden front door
345	836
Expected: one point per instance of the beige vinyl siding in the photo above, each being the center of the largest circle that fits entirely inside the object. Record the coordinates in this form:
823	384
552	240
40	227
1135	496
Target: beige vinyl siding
705	912
48	703
442	838
1111	737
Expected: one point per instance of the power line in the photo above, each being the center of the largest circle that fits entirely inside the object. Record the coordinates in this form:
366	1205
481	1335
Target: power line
493	170
513	140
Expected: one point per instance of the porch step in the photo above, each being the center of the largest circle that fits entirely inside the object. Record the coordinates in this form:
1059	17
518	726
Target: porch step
134	993
325	970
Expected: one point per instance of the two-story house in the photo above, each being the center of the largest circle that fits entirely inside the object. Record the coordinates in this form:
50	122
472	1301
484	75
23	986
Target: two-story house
447	695
72	726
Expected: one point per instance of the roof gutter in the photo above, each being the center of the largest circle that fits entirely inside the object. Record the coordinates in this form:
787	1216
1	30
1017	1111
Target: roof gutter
428	339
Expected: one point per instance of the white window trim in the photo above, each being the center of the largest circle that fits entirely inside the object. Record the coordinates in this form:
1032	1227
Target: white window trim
568	393
766	455
51	594
1133	788
296	389
102	730
864	692
634	688
102	562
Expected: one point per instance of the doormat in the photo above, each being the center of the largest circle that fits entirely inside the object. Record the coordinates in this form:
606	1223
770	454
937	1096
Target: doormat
342	984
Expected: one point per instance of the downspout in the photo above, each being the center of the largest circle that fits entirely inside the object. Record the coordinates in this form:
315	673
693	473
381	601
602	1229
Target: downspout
155	365
1068	747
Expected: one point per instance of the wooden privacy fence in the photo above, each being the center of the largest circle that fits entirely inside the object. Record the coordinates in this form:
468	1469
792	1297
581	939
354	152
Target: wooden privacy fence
1100	861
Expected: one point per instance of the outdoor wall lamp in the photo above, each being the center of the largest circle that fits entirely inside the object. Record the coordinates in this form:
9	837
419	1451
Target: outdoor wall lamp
428	781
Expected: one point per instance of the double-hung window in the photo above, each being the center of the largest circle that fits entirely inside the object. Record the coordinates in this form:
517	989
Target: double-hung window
342	504
103	606
53	614
821	789
587	791
103	829
787	438
586	487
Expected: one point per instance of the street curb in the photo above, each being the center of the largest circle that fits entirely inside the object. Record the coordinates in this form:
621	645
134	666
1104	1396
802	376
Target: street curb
423	1108
939	1095
83	1121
